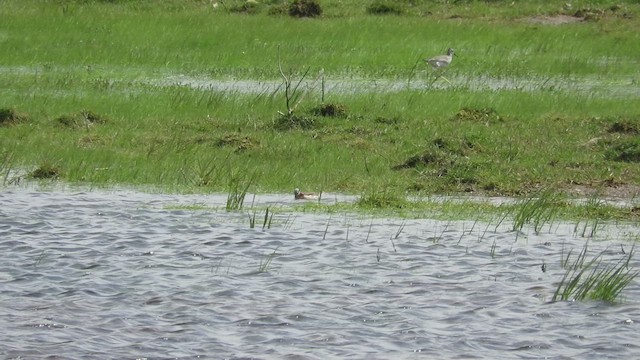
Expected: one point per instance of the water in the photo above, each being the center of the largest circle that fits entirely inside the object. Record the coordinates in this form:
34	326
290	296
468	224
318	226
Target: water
124	274
423	80
587	86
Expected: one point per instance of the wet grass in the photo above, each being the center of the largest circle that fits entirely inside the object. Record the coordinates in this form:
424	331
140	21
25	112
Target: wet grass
539	210
594	279
99	117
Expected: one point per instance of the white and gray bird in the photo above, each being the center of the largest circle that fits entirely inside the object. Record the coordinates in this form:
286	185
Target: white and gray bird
441	61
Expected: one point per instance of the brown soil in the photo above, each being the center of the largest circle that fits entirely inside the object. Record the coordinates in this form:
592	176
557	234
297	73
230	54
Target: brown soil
607	190
554	20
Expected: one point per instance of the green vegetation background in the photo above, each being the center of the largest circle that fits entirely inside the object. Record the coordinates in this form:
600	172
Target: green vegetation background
81	99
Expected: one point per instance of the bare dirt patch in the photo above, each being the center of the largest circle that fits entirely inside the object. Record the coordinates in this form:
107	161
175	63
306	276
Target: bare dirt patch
606	189
554	19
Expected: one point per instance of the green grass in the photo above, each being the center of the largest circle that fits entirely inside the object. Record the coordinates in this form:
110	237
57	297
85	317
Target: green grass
63	61
595	279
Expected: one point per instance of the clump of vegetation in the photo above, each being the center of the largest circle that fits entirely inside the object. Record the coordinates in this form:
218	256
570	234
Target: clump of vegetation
626	150
305	8
486	115
384	8
82	119
590	14
9	116
248	7
330	110
442	153
238	186
46	171
624	127
241	143
387	121
292	122
424	159
539	210
593	280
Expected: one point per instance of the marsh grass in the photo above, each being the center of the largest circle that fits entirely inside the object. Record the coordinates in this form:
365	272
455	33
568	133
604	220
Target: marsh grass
383	199
539	210
46	170
6	165
194	139
266	262
238	188
267	220
593	279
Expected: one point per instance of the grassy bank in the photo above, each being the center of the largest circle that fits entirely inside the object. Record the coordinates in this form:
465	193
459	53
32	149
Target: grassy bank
88	91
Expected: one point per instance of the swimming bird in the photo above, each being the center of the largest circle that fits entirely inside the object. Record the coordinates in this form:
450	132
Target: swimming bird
304	196
440	62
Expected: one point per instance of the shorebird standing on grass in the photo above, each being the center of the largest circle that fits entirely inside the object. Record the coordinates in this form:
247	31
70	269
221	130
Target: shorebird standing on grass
440	62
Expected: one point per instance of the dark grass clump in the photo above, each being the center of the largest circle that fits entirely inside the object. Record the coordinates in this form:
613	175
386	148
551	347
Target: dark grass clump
241	143
485	115
83	119
46	171
596	14
624	127
430	157
625	150
305	8
330	110
442	153
384	8
294	122
590	14
9	116
447	160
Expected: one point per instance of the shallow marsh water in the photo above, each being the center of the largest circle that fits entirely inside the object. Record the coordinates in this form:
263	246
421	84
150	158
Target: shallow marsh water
125	274
423	81
420	80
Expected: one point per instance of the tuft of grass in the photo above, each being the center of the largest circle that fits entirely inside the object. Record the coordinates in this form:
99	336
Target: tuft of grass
624	126
593	280
625	150
266	224
484	115
330	110
382	7
46	171
238	188
538	209
294	122
82	119
10	116
305	8
240	143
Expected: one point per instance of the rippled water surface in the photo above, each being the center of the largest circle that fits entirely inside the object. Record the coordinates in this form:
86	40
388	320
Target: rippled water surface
122	274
